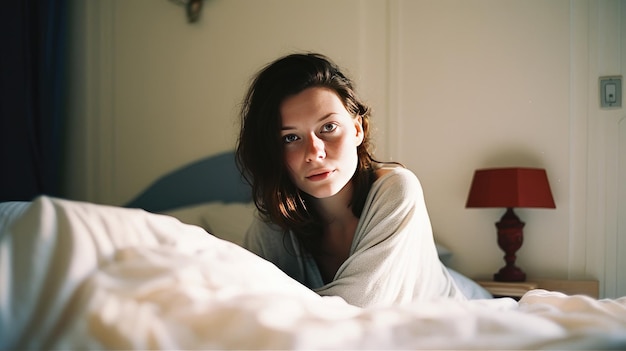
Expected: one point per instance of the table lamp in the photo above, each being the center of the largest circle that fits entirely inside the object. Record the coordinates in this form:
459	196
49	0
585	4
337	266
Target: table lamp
509	188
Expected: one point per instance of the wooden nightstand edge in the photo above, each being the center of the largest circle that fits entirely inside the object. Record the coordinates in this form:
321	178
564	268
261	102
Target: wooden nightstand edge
590	288
517	289
512	289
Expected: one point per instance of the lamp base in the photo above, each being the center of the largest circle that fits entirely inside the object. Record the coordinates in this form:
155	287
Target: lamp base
510	239
510	274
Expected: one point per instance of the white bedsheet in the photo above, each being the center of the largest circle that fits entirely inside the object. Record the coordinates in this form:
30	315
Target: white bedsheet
83	276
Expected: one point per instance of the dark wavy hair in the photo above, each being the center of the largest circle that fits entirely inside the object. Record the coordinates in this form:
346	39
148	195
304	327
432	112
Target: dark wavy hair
260	151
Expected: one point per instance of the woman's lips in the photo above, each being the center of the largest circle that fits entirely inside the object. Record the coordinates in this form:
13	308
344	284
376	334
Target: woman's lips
319	176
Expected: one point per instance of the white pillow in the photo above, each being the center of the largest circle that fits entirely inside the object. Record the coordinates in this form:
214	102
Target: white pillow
470	288
228	221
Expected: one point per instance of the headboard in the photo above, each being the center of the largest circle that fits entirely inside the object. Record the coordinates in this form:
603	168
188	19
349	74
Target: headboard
213	178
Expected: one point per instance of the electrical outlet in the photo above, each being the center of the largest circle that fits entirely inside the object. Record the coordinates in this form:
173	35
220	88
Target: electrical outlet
611	92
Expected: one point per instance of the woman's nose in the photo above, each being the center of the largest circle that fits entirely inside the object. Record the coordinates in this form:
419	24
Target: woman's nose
315	149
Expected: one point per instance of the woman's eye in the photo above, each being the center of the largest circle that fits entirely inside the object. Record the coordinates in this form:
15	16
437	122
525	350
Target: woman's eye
289	138
328	127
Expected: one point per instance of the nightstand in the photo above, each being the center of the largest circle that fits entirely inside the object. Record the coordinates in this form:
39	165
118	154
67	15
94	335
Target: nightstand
517	289
507	289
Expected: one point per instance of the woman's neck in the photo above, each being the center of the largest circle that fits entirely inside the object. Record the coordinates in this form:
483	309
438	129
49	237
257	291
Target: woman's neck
339	225
335	209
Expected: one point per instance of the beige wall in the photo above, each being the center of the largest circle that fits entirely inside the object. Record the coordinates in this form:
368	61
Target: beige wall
456	85
486	84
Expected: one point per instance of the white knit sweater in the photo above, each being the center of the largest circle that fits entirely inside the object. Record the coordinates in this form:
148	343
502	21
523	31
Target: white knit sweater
393	259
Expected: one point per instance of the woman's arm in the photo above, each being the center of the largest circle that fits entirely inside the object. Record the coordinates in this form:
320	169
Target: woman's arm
393	257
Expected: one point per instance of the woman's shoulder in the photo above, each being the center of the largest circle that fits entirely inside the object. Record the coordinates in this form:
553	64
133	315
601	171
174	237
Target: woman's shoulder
395	180
395	173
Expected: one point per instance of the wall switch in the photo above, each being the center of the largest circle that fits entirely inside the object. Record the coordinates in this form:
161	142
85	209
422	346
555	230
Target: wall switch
611	92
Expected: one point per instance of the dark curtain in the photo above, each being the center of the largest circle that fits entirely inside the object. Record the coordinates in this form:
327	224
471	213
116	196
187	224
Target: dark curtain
33	56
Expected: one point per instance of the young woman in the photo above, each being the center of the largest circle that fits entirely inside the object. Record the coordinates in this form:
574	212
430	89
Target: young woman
329	215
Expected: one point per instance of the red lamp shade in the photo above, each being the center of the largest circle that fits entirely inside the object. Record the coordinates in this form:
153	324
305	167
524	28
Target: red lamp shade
510	187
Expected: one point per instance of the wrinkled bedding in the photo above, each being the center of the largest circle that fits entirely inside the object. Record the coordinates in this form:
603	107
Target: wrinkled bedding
85	276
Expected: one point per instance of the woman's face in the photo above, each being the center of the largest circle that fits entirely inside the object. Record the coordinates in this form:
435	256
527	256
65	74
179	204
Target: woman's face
320	140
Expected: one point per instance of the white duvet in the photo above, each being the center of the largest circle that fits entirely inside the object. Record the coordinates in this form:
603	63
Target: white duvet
84	276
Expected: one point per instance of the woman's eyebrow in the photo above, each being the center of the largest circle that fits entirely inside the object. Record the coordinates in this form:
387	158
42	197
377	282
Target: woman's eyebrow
326	116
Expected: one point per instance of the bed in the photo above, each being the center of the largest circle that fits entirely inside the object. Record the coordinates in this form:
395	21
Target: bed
166	271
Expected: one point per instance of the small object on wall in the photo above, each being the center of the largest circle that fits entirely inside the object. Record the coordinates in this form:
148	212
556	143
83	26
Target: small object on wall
611	92
509	188
192	8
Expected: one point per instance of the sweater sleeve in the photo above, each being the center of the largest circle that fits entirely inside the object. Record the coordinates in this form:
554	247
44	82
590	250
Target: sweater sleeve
282	249
393	258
